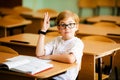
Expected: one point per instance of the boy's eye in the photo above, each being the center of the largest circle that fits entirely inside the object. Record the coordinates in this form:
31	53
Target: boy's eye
70	24
63	25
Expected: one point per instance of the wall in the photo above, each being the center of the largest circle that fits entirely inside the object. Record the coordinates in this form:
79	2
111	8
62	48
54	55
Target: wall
58	5
54	4
61	5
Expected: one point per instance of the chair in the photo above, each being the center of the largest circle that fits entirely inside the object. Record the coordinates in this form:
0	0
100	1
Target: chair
90	4
115	74
106	67
7	50
108	4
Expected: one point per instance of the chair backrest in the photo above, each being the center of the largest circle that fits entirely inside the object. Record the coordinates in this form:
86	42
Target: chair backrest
87	4
118	3
105	25
54	34
90	4
106	3
52	12
7	50
98	38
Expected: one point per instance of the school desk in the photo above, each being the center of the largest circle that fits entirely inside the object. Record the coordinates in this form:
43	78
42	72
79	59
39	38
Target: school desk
92	51
28	44
11	26
95	50
57	69
87	29
39	15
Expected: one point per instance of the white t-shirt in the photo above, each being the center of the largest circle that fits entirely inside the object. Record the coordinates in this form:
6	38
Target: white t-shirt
59	46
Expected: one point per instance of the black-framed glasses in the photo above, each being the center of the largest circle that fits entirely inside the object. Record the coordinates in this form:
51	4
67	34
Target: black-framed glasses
70	25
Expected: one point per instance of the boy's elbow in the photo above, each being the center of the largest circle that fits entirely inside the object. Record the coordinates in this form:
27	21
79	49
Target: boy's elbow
39	53
71	60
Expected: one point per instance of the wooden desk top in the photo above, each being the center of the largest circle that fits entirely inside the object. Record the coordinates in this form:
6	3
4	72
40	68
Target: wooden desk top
27	37
7	24
115	19
91	30
39	15
57	69
4	56
85	29
92	48
99	49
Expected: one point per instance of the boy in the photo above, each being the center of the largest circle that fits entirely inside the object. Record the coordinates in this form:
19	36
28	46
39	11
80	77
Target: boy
65	48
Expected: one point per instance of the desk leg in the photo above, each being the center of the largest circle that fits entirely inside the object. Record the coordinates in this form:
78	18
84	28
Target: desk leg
22	28
99	68
11	31
87	71
5	31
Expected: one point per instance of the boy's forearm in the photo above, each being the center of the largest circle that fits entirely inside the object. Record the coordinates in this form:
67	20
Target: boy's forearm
40	46
67	58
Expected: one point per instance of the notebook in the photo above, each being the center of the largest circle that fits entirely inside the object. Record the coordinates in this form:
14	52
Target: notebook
26	64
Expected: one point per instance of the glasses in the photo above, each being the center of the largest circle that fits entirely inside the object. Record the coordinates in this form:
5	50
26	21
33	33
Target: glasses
70	25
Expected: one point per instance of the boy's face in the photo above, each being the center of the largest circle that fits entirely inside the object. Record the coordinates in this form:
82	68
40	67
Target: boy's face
67	27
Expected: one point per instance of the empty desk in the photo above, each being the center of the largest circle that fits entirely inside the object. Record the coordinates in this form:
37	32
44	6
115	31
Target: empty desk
94	50
12	22
23	48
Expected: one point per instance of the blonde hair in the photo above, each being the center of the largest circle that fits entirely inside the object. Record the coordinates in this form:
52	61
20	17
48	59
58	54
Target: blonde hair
67	14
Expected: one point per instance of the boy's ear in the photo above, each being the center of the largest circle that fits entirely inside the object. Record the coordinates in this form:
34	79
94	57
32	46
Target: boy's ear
58	28
77	27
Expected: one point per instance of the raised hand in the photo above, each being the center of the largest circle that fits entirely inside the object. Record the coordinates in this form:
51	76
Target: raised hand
46	23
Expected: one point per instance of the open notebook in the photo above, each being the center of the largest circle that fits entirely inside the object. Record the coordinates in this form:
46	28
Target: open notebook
26	64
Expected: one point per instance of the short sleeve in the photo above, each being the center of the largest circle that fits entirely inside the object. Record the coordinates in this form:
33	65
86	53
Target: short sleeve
77	50
49	47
